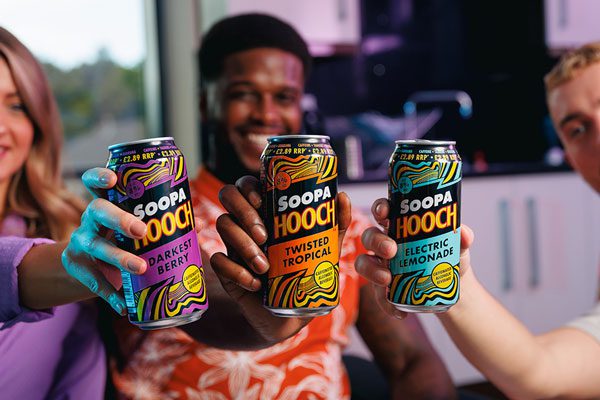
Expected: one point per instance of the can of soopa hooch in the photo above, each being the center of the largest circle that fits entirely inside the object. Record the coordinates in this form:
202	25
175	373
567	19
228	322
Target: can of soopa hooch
152	184
299	180
424	194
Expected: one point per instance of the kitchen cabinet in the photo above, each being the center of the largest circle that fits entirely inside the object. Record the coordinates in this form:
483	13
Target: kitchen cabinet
329	26
571	23
536	250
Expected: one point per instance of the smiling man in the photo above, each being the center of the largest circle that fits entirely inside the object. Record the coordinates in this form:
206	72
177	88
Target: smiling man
251	89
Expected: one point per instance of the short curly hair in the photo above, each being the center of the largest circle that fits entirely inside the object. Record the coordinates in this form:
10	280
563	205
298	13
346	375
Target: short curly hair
244	32
570	64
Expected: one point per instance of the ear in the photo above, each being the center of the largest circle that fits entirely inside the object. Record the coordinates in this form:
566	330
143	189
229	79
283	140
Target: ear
568	159
203	104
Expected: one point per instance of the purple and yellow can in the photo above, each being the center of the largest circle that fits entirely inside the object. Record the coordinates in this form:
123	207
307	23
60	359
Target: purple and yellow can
152	184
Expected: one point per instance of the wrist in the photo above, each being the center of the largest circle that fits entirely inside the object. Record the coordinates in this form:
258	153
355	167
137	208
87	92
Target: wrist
468	287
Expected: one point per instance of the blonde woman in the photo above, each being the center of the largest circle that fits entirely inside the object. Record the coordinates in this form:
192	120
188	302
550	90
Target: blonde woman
45	353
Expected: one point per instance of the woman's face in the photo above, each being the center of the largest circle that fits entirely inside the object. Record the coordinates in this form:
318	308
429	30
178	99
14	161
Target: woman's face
16	129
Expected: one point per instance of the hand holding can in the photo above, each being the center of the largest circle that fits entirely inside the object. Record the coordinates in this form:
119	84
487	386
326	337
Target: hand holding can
152	183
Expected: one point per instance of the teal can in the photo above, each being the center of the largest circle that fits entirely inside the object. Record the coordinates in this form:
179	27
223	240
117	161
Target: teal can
424	195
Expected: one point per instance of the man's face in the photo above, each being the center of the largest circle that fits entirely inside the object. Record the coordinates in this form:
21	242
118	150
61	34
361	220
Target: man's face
257	96
575	110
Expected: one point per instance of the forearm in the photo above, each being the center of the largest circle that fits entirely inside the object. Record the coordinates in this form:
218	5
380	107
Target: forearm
223	325
403	352
495	342
44	283
424	377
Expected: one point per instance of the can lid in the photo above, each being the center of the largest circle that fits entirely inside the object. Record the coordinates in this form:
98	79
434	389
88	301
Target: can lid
426	142
285	137
156	139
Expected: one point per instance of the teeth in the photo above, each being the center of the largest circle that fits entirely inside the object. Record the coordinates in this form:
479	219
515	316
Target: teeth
257	138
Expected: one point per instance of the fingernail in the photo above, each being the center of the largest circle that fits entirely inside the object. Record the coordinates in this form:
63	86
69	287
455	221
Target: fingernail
103	179
135	265
252	287
399	314
387	247
259	233
255	199
261	265
378	208
117	304
138	228
255	286
381	276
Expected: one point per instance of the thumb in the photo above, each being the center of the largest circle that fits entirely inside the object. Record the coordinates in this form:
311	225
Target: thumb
466	240
344	216
386	306
467	236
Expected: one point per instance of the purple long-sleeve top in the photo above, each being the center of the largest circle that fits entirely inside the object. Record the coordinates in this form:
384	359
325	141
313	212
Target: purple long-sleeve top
47	354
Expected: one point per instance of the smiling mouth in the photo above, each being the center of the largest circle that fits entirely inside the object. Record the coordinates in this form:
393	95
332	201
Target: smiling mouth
258	139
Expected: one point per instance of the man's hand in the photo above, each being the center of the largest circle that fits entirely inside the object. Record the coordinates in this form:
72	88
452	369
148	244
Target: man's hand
375	267
243	233
90	256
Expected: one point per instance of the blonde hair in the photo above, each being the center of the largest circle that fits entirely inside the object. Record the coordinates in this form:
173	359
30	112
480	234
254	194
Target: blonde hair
37	191
570	64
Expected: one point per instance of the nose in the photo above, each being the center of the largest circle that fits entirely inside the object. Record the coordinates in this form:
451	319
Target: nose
595	127
3	124
266	111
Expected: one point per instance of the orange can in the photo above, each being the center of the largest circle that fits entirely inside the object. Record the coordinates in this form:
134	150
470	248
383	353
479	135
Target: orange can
299	179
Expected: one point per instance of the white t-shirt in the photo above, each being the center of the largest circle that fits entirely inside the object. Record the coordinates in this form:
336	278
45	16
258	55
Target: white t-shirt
590	322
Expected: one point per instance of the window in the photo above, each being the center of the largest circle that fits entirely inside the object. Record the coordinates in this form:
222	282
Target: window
93	52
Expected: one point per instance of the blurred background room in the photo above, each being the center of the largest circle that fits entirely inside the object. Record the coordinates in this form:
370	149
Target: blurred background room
384	70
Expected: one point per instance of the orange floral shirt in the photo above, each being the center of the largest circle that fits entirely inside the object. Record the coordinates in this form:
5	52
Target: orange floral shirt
169	364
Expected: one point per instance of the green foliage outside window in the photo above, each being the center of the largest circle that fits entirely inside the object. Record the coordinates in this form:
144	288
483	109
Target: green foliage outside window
91	93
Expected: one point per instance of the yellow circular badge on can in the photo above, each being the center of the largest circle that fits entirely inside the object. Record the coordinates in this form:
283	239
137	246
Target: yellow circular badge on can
325	275
442	275
192	279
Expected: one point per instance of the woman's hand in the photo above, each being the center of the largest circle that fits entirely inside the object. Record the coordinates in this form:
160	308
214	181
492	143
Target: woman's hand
91	255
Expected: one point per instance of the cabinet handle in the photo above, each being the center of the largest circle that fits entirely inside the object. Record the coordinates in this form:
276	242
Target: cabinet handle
342	10
534	260
505	247
563	14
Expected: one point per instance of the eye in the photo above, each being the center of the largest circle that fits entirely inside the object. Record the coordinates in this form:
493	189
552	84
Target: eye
244	95
287	98
576	130
17	106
